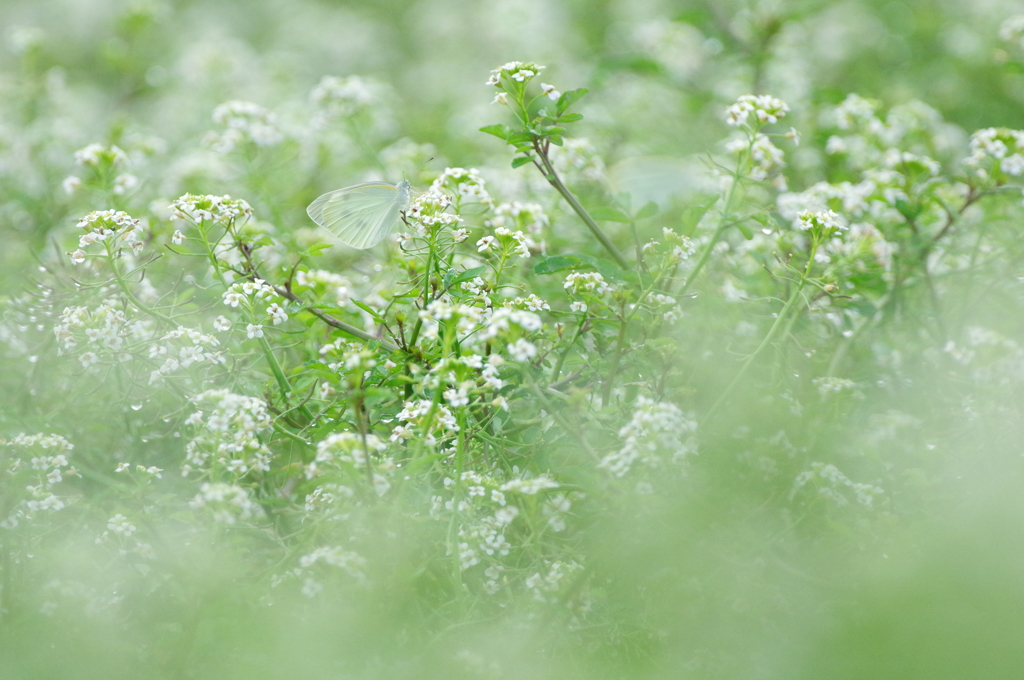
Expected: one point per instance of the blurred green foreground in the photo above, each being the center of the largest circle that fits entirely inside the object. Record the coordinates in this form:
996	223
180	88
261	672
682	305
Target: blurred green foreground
719	575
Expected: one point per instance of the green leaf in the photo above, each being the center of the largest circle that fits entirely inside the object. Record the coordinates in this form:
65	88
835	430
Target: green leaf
649	210
520	161
369	310
909	210
745	230
557	263
556	140
316	249
694	213
551	130
570	117
499	131
569	98
519	137
610	215
468	275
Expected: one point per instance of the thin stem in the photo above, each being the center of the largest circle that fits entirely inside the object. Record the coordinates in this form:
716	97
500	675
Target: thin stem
722	224
780	322
554	180
335	323
557	370
131	296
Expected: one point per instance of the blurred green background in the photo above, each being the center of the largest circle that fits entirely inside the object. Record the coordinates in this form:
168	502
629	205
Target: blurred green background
707	585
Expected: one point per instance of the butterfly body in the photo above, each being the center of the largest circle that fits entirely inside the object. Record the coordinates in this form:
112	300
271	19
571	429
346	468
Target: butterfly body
363	214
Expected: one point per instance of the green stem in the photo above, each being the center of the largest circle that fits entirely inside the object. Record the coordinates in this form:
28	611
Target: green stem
146	309
565	353
723	222
613	371
554	180
780	322
335	323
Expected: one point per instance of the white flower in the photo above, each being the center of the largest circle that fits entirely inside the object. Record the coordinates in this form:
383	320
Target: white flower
254	330
485	244
71	184
550	91
277	314
765	109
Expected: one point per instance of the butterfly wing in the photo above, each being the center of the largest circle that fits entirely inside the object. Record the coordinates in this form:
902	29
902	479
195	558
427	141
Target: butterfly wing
360	215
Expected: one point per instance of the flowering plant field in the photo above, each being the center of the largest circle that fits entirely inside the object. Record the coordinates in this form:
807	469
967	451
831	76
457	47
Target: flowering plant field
678	356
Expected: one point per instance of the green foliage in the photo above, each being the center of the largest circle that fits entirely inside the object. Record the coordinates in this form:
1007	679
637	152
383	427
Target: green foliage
617	410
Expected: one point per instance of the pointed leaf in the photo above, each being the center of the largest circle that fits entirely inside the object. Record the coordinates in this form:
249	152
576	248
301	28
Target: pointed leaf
499	131
557	263
468	275
649	210
520	136
569	98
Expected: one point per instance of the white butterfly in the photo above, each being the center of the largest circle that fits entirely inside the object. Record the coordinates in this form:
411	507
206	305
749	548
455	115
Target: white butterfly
363	214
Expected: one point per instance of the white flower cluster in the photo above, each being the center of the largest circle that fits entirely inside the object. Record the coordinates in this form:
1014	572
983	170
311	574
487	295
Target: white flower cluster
766	158
247	294
185	347
832	384
823	221
101	158
764	109
119	524
528	217
468	185
348	561
428	213
323	282
831	484
345	97
656	428
510	323
228	433
35	464
244	121
677	246
347	448
95	155
530	302
544	586
486	536
467	318
856	112
995	151
462	372
518	71
529	486
506	242
346	453
104	333
222	210
227	503
580	283
115	228
354	357
429	420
